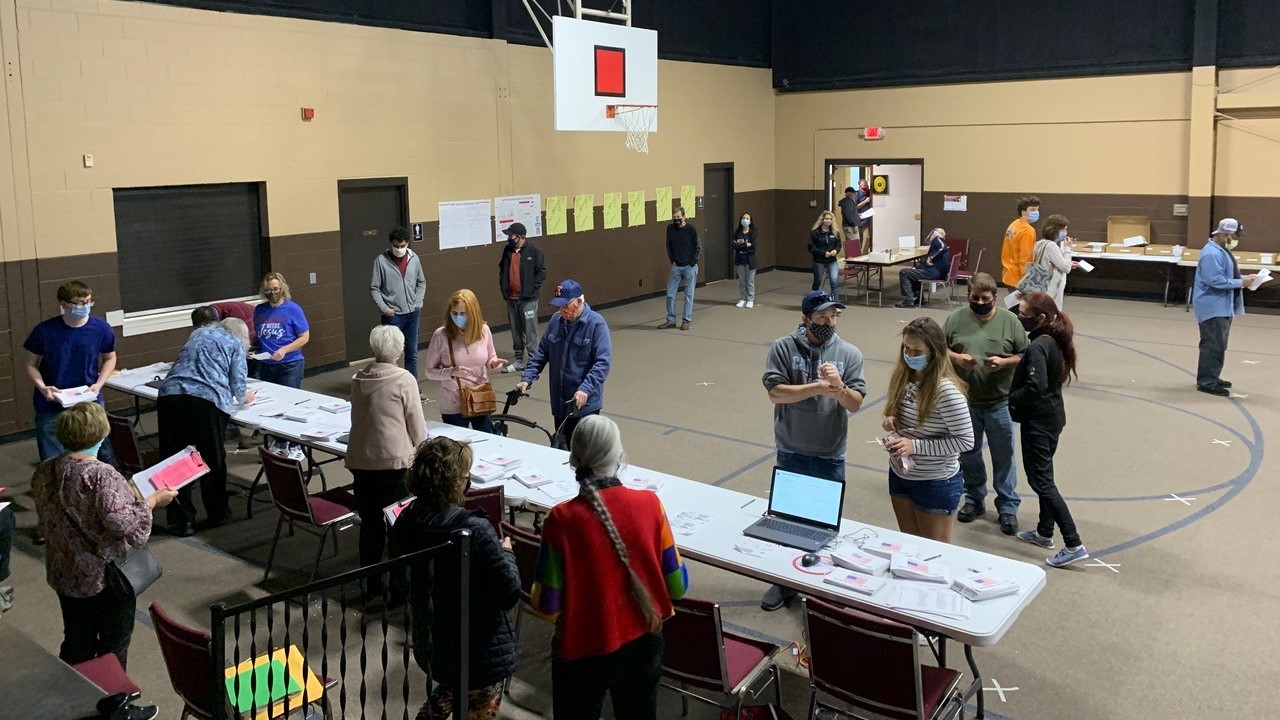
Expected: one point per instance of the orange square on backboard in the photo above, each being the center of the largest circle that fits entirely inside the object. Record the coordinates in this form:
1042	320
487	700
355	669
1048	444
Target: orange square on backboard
611	71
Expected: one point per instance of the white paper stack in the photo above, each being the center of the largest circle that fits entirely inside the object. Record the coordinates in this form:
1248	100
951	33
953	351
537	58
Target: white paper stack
931	601
505	461
319	433
1135	241
531	478
888	550
298	415
1263	275
483	472
336	406
75	396
561	489
984	586
912	569
860	562
259	398
643	483
855	581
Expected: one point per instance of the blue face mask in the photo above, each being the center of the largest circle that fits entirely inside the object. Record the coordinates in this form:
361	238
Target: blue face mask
79	312
1062	235
746	222
1033	216
916	362
92	450
459	320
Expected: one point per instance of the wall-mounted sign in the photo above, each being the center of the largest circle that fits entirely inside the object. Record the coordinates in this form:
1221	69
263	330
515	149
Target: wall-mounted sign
872	132
955	203
417	232
880	184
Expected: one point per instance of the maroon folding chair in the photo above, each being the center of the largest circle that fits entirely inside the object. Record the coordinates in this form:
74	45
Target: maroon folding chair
491	501
949	281
852	249
106	672
526	546
702	654
130	457
321	514
965	275
873	665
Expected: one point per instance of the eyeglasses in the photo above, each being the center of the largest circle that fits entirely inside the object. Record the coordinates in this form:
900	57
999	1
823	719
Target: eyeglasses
79	303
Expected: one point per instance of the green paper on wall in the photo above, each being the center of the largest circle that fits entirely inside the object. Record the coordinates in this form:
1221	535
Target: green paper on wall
612	210
664	204
584	212
557	219
689	199
635	208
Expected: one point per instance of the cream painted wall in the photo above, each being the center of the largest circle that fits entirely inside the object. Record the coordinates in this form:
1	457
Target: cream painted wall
162	96
1248	150
1124	134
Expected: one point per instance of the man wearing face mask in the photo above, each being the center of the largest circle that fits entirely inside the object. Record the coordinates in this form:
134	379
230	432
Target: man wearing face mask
934	266
985	344
683	250
815	382
863	199
72	350
1020	241
398	288
1218	297
521	272
577	351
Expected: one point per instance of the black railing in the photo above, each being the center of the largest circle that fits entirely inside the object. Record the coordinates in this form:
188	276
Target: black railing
320	646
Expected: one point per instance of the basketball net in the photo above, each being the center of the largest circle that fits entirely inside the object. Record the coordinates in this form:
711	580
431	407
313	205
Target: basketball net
638	121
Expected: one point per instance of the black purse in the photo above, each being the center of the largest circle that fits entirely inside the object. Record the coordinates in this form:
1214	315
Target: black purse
132	572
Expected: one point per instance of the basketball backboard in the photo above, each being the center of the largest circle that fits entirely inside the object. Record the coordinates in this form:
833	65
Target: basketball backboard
598	65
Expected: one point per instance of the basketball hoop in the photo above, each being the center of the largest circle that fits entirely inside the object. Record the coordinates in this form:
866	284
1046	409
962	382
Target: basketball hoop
638	121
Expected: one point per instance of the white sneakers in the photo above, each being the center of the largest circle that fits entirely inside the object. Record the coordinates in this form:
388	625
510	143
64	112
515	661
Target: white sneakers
741	303
751	303
746	303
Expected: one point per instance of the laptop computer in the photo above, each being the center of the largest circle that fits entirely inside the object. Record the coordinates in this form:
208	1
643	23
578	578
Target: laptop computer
804	511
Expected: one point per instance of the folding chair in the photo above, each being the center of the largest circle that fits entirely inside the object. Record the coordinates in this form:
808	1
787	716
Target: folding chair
321	514
130	457
489	500
852	249
526	546
703	655
966	275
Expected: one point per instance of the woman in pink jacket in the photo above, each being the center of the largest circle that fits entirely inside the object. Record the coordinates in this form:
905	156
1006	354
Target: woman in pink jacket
461	354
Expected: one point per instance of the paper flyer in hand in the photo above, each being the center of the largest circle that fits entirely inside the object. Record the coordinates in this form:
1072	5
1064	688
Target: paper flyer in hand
75	396
1263	275
173	473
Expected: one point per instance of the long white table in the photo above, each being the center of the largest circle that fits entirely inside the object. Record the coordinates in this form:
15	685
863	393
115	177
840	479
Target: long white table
1167	261
727	513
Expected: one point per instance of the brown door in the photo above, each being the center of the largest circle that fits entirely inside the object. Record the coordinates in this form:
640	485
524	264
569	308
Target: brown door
367	212
717	220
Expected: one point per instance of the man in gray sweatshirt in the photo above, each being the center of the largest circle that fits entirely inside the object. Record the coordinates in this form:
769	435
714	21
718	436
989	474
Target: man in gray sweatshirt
398	288
815	383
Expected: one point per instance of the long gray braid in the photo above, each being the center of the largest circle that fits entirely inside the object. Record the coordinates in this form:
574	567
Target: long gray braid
639	591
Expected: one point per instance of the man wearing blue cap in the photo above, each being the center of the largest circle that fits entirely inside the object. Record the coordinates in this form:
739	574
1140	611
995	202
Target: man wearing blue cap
1218	296
815	383
577	348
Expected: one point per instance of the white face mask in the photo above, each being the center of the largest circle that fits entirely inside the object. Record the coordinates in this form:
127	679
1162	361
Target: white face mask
399	252
1231	244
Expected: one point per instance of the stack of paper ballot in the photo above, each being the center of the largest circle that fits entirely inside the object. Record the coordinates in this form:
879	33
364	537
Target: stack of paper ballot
486	472
531	478
75	395
888	550
912	569
297	414
923	599
319	432
336	406
860	562
643	483
855	581
984	586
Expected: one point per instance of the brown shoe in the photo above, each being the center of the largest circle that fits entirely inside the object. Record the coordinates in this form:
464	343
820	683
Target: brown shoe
666	325
684	325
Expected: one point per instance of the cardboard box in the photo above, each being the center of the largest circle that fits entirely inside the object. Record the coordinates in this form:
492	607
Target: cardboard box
1120	227
1165	250
1122	249
1249	258
1190	254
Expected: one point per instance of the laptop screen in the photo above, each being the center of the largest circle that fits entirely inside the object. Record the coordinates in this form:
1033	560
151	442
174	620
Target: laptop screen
806	498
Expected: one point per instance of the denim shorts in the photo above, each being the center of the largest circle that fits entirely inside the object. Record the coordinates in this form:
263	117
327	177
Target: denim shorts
939	497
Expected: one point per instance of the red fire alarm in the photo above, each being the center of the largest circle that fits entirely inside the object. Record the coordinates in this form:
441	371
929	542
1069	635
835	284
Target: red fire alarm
308	113
872	132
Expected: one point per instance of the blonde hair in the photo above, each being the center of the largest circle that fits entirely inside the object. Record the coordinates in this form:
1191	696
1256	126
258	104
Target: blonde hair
475	320
284	285
82	425
930	378
835	226
387	343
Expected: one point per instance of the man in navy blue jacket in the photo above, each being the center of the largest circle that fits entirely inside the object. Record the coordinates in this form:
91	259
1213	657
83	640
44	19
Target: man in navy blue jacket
578	351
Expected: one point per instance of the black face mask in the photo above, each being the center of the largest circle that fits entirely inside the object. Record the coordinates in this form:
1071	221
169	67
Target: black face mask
1029	323
981	309
821	333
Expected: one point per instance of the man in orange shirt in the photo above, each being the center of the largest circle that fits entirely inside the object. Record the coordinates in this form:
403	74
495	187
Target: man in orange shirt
1019	241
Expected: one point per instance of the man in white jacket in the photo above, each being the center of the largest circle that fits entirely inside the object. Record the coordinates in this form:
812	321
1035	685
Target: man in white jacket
398	288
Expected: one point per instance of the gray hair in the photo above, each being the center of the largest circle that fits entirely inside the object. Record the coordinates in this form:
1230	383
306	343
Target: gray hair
237	328
387	343
596	448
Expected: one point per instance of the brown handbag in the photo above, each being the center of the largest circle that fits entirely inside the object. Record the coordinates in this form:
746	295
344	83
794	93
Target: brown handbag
477	401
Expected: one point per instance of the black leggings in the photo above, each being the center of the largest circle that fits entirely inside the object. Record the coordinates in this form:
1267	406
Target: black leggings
188	420
1038	446
630	674
97	625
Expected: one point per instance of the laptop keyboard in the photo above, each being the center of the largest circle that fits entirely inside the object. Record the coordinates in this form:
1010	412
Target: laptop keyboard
794	529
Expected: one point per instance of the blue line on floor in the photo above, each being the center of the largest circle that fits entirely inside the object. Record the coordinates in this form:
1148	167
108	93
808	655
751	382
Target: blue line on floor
1167	406
671	431
1184	345
754	463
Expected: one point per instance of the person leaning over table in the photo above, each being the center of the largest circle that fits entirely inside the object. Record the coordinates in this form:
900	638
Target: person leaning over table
461	353
90	515
1218	296
743	244
386	425
195	402
282	332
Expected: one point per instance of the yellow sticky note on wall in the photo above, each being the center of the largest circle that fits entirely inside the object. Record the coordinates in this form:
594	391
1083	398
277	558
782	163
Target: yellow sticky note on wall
664	204
689	199
584	212
612	210
557	217
635	208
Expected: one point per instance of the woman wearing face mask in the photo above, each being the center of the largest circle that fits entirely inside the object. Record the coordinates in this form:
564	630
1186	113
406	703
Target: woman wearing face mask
1035	402
824	245
927	417
744	259
461	354
1052	254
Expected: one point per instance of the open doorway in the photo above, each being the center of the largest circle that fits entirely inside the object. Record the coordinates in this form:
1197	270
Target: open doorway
895	185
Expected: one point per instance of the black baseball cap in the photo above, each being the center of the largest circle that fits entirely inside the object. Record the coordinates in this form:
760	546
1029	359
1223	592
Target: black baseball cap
850	189
818	301
515	229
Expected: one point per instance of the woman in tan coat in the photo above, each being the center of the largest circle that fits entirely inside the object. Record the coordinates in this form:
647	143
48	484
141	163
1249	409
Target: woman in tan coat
386	428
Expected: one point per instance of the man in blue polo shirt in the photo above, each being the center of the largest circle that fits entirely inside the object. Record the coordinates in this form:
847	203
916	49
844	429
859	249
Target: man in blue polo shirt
70	351
577	349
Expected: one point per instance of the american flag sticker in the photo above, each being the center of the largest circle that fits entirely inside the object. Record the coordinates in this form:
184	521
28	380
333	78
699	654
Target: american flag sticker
984	580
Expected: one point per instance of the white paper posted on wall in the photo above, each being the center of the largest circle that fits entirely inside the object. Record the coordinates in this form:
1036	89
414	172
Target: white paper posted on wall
464	223
523	209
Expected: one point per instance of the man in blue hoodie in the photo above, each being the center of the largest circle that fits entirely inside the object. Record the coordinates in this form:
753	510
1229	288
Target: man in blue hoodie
577	350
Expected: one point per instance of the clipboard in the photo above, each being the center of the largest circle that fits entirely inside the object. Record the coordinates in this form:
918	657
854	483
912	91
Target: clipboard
173	473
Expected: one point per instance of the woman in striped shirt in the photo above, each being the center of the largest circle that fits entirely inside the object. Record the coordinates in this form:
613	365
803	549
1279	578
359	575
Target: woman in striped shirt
927	417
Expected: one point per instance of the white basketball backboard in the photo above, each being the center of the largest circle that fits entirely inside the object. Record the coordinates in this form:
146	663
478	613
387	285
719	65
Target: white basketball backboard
597	65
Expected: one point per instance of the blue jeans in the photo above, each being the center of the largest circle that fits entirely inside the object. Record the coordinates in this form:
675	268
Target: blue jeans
483	423
408	324
996	424
829	468
828	270
288	374
687	276
47	440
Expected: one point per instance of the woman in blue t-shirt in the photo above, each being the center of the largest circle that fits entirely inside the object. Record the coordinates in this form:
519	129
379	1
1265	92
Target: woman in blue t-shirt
282	330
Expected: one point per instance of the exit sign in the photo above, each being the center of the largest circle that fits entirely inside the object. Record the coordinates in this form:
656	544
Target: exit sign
873	132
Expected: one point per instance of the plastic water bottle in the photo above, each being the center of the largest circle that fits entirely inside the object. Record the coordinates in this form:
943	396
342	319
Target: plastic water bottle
1177	252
